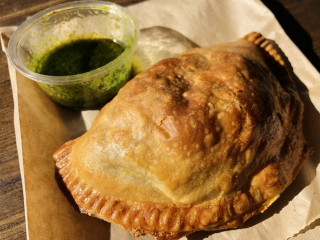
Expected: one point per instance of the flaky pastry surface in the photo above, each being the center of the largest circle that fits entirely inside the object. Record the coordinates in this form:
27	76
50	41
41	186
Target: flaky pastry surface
202	141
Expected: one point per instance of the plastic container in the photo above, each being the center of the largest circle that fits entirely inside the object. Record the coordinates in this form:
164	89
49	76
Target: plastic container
68	22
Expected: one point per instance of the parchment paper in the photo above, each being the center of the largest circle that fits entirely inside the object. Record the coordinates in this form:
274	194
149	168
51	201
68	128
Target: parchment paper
42	126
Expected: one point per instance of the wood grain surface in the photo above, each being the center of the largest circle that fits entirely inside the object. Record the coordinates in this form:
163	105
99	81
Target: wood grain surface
300	20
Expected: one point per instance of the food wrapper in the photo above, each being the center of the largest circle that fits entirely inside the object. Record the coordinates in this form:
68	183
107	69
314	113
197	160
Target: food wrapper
170	27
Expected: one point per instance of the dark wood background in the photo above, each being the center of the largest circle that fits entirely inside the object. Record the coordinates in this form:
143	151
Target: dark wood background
300	20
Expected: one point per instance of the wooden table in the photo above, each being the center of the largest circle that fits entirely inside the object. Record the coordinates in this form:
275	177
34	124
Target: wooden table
300	19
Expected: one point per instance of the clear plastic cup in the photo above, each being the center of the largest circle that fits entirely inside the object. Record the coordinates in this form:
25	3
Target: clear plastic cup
72	21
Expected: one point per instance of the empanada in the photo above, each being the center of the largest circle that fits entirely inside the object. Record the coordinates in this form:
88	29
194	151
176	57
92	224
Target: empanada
201	141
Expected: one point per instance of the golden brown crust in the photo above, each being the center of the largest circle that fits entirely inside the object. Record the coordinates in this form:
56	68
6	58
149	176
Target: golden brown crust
202	141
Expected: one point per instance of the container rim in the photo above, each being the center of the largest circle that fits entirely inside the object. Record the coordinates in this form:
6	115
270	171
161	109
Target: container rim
82	77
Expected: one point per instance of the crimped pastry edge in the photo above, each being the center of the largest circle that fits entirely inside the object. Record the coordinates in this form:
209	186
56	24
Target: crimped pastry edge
164	221
266	45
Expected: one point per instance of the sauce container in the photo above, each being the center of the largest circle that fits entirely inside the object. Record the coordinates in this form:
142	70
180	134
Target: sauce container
69	22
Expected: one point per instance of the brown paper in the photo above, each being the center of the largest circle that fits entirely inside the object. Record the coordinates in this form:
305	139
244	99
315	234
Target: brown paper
42	126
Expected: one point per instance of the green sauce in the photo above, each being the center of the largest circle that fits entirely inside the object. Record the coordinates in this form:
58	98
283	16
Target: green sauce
79	56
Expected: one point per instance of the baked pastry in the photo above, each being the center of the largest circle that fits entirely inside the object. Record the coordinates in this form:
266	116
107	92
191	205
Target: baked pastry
201	141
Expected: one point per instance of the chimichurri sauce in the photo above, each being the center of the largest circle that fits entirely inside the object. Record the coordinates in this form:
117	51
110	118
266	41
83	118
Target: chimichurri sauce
79	56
